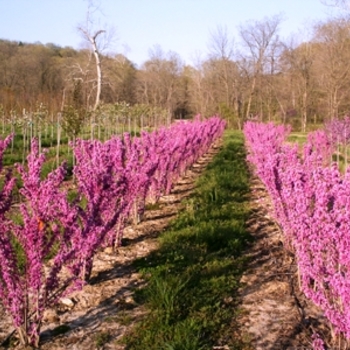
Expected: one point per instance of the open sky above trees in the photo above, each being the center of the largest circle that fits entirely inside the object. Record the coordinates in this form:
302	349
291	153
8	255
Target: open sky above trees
285	61
181	26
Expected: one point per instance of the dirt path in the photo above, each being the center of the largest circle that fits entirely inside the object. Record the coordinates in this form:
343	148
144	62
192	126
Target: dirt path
276	316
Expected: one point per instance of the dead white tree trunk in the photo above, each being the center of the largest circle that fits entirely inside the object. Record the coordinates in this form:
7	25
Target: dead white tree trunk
92	40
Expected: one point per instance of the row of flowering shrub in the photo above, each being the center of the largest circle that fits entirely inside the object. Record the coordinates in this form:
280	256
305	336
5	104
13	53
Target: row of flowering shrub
311	201
47	247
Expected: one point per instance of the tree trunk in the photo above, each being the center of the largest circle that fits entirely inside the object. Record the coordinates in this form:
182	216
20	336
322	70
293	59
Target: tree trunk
92	40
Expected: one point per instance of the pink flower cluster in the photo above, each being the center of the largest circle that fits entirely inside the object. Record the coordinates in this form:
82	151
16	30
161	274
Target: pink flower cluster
58	232
338	130
338	133
312	205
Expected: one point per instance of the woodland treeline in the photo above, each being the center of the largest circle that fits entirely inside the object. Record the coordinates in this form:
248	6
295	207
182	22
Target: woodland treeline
255	75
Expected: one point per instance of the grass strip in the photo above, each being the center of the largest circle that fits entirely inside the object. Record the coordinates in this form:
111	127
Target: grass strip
194	276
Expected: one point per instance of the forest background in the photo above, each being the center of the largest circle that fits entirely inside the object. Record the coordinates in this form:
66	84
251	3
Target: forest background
255	75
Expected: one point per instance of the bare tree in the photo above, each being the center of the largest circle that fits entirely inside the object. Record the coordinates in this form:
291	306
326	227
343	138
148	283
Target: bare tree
340	4
119	80
225	78
195	89
220	44
261	41
298	61
333	39
99	39
159	80
92	39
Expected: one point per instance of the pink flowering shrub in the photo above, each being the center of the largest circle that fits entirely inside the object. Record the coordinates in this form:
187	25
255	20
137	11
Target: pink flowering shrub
47	222
338	133
311	203
48	251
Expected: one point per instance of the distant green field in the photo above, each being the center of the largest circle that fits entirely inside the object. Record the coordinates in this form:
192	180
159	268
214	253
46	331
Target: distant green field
298	137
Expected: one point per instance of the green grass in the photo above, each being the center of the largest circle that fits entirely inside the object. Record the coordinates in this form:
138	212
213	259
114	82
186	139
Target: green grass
101	338
194	276
297	137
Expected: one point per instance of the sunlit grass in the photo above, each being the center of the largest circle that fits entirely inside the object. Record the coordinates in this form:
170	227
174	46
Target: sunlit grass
297	137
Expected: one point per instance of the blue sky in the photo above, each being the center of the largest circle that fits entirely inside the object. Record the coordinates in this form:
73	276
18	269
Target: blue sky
182	26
